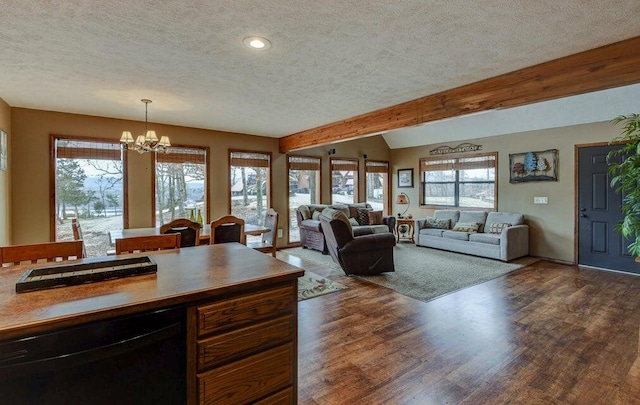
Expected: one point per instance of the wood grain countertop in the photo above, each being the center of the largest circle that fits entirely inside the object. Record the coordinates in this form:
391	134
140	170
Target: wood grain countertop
183	276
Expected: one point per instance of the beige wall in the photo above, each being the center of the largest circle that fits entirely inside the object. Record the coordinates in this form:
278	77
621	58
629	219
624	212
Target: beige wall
32	129
5	178
552	225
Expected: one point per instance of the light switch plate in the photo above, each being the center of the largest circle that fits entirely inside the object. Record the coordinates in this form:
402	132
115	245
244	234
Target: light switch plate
279	232
541	200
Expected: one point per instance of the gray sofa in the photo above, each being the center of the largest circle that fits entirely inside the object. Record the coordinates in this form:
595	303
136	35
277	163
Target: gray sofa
497	235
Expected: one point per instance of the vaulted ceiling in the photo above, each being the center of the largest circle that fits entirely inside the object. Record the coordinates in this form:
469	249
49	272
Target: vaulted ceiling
329	60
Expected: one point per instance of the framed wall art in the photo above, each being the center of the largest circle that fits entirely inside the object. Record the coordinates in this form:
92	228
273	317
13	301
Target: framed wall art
533	166
405	178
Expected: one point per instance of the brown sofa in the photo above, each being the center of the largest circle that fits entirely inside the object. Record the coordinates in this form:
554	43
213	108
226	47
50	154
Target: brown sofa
311	235
365	255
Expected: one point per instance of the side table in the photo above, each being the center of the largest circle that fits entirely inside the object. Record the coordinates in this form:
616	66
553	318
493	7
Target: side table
409	223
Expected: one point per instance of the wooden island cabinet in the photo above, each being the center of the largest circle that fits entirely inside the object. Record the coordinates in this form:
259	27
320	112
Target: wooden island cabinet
241	317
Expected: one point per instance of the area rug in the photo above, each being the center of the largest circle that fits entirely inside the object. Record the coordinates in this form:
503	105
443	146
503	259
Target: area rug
424	273
312	285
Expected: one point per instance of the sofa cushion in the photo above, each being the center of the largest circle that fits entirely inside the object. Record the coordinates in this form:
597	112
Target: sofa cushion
376	218
431	232
333	213
485	238
470	227
455	235
505	217
474	216
379	228
315	216
451	215
437	223
497	227
354	222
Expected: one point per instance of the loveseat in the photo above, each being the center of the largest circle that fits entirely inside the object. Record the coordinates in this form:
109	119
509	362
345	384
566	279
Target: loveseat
312	237
496	235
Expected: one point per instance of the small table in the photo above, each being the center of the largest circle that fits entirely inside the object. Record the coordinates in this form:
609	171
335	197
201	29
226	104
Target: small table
409	222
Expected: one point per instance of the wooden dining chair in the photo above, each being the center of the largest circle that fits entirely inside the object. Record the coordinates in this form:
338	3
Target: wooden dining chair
40	252
227	229
77	234
147	243
189	231
269	239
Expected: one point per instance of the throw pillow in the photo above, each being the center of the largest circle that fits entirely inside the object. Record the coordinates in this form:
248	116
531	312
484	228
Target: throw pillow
304	211
363	216
469	227
353	222
436	223
497	227
375	218
315	216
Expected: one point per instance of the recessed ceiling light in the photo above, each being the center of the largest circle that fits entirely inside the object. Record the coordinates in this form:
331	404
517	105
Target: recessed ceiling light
257	43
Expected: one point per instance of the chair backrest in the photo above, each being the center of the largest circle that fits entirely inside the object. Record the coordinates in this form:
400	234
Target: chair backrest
77	234
227	229
271	222
147	243
40	252
189	231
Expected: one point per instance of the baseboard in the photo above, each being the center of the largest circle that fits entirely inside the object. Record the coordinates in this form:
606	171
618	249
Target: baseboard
557	261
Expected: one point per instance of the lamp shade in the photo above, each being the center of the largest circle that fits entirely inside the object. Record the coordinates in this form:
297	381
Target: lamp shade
402	199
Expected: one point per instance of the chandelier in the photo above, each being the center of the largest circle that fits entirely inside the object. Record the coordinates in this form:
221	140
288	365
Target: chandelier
147	142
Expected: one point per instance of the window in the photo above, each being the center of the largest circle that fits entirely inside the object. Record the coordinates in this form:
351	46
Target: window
89	185
304	188
181	184
377	184
250	187
344	181
465	182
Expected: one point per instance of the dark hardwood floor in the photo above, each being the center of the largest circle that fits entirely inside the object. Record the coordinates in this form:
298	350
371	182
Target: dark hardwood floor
544	334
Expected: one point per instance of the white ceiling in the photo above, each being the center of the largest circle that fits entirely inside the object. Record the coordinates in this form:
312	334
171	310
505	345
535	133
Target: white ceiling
330	59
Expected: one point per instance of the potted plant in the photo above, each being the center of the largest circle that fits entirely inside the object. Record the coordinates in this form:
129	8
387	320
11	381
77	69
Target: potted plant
625	177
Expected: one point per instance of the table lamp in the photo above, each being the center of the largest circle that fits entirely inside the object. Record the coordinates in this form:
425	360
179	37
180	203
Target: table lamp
403	199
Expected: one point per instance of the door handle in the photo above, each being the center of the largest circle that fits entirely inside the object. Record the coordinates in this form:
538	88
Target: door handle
583	209
583	216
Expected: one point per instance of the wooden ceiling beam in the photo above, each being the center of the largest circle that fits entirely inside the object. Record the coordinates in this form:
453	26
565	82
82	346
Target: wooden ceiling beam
609	66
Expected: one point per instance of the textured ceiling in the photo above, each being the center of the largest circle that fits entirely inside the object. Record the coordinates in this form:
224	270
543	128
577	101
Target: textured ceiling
330	59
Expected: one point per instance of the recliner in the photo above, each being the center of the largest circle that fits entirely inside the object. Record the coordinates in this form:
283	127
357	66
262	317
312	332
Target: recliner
362	255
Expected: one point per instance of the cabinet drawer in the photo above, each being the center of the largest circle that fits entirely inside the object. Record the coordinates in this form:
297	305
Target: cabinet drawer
248	379
220	349
279	398
250	308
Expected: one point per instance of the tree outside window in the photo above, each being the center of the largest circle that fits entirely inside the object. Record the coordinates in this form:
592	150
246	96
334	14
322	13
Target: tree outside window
250	174
181	184
304	188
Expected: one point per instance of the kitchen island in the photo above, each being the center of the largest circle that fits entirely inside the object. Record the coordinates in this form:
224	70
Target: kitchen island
241	316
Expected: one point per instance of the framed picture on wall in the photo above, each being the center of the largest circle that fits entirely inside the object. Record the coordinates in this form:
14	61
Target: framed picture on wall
405	177
533	166
3	150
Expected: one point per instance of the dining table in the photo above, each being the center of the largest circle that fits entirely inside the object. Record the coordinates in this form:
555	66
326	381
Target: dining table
205	232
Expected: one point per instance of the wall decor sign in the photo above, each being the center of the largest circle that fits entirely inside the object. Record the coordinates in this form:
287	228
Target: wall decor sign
4	150
533	166
463	147
405	177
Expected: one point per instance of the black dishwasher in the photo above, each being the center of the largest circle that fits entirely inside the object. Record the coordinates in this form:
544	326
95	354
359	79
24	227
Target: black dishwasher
137	359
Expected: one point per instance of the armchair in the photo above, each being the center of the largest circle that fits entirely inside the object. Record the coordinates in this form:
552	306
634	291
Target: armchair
364	255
